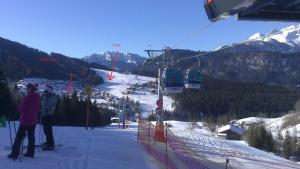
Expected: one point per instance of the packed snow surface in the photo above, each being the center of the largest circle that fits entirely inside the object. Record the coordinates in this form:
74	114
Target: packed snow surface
105	148
213	148
121	82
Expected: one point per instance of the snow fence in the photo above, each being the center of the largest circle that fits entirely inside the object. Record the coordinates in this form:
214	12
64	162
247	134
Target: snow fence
173	153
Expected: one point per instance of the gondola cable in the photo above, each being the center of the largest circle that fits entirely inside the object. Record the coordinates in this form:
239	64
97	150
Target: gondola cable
193	34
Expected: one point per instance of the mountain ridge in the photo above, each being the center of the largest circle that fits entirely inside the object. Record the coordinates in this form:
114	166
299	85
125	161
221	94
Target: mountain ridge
272	58
125	61
20	61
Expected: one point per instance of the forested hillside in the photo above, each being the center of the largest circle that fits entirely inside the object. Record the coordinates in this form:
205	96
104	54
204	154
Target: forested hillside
19	61
71	111
225	100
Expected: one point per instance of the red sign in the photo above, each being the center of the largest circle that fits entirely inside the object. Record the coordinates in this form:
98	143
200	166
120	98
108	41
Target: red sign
110	76
159	103
48	59
69	87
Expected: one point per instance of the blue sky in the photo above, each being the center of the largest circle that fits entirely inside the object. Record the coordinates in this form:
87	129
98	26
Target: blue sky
81	27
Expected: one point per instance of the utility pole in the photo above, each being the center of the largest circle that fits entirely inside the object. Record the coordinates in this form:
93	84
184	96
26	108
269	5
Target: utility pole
123	127
160	97
119	113
89	91
159	129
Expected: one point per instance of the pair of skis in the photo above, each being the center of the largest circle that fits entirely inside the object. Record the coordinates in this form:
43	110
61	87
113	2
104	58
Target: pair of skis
36	146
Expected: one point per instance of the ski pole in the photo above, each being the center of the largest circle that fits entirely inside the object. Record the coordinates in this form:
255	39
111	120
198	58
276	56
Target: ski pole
39	136
42	135
9	127
15	127
21	154
21	150
41	132
40	140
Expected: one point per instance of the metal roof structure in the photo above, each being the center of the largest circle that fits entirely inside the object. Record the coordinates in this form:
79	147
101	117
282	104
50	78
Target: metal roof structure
268	10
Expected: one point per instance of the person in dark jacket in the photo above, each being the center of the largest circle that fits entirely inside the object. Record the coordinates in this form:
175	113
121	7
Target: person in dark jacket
28	109
49	100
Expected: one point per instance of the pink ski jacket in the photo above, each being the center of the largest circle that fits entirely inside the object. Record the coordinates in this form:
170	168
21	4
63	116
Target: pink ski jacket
29	109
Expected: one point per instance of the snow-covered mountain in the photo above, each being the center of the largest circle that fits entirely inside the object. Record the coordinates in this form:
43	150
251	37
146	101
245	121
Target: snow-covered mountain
125	61
272	58
285	40
289	35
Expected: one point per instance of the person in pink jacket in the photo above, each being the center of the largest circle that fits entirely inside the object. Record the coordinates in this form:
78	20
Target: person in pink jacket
29	110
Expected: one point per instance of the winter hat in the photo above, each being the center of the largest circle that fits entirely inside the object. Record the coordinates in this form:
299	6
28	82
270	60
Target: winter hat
49	88
32	86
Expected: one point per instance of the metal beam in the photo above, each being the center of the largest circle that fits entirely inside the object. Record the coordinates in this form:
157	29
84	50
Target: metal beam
290	4
288	16
257	7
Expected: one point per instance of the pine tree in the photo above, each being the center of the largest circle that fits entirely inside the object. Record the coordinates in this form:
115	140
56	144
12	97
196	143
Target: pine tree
269	142
297	151
260	138
279	136
287	145
6	103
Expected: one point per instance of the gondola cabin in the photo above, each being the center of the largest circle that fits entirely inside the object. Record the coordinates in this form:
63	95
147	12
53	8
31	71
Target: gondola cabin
192	79
172	80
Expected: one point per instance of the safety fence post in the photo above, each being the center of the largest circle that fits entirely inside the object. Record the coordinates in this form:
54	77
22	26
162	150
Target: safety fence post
155	132
138	134
149	135
167	145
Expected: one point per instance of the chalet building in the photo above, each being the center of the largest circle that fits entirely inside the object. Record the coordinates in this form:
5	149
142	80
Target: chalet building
232	131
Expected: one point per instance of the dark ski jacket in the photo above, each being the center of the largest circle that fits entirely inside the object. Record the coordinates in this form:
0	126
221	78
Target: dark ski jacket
48	104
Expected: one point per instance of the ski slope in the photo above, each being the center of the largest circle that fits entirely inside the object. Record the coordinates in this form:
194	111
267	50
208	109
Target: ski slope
121	82
105	148
240	155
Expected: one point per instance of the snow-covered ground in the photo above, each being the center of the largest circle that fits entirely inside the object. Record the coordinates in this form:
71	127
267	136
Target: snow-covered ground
276	125
121	82
241	156
105	148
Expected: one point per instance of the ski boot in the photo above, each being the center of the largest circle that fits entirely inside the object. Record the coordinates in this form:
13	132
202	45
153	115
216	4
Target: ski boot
12	156
48	148
29	155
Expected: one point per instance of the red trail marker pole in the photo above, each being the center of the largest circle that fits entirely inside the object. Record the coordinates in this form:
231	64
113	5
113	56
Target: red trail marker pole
110	76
